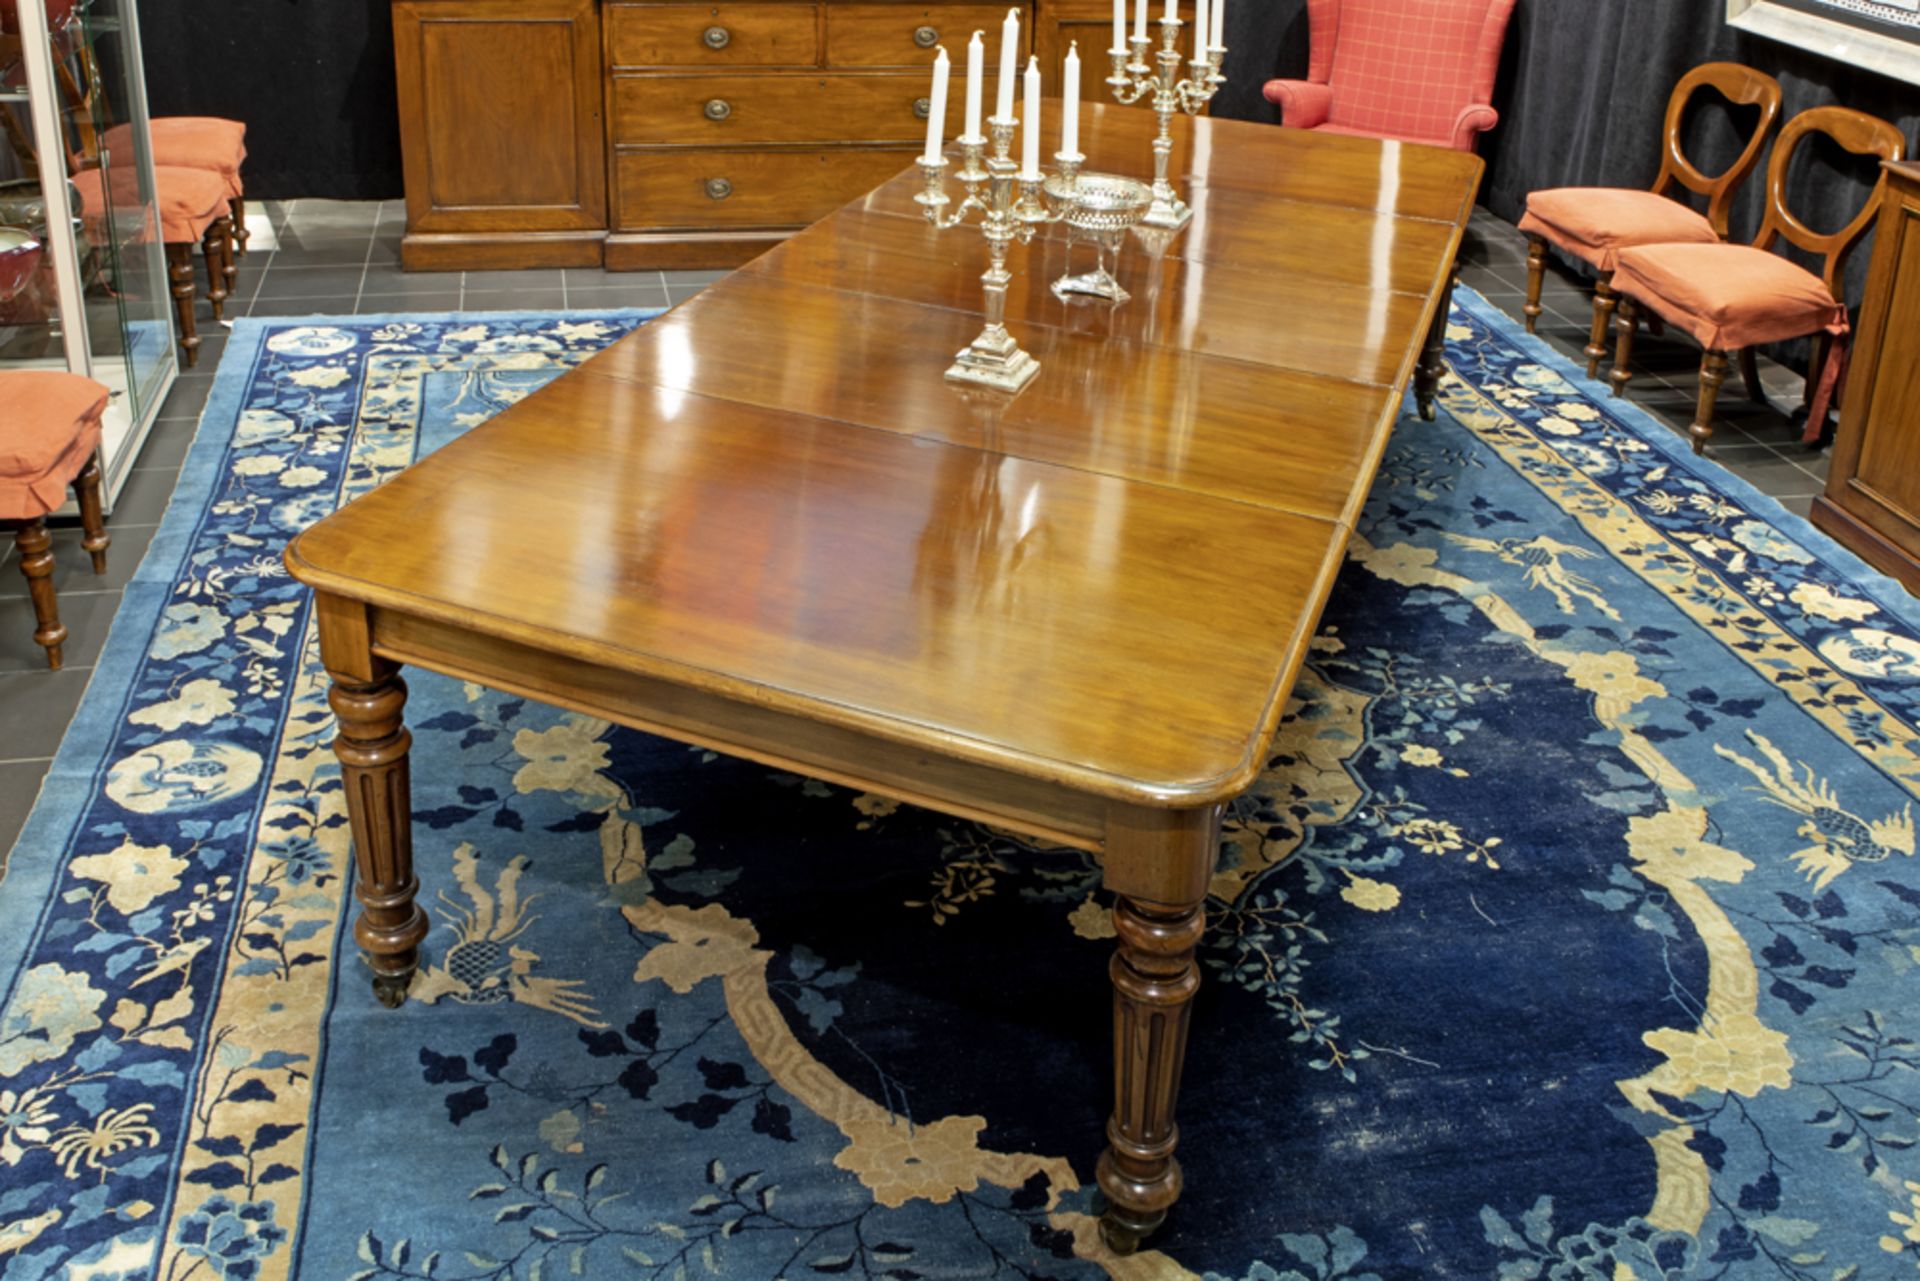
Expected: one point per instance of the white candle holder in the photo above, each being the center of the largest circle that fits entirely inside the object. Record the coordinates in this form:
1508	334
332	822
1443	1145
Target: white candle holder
1133	79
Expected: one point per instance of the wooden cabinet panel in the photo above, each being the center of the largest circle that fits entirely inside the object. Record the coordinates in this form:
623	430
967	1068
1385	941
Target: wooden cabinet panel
713	35
1057	24
1872	501
904	35
500	116
657	189
713	111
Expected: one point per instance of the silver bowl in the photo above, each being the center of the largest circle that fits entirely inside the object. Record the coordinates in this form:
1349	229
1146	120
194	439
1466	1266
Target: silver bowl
1099	207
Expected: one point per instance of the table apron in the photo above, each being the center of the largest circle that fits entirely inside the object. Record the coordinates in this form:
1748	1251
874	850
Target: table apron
1048	811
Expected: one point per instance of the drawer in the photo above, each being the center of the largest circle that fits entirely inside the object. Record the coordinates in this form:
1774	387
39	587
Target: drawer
744	188
727	110
713	35
904	35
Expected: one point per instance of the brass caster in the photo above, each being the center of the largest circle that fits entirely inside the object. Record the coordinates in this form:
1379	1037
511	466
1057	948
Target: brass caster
391	989
1123	1232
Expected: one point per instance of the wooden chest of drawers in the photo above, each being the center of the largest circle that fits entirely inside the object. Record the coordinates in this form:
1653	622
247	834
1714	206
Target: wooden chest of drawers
663	134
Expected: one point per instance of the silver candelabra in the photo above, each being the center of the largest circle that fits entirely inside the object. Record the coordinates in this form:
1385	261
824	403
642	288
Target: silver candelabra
1133	79
1012	206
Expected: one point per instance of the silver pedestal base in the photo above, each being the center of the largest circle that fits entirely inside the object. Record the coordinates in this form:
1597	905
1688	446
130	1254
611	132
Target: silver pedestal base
1167	210
1096	284
994	361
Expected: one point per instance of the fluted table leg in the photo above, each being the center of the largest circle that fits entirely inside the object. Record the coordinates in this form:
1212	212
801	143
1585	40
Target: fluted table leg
367	700
1158	863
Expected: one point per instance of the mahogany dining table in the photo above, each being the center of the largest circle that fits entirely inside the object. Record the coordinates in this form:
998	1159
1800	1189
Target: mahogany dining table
1076	611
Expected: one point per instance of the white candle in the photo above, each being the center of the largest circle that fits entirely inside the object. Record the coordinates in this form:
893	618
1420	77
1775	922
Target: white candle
1030	127
976	77
1070	90
1173	9
1009	63
937	117
1119	26
1200	30
1139	19
1218	39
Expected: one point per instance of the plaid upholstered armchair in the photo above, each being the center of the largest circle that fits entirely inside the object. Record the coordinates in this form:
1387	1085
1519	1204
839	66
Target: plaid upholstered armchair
1411	70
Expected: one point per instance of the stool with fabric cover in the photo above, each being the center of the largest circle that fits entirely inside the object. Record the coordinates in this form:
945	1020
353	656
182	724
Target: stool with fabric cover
193	208
49	439
1407	70
1594	224
1732	298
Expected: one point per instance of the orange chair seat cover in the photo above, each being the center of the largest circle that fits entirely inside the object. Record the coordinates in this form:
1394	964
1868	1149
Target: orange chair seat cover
49	424
1595	223
1728	296
190	200
191	142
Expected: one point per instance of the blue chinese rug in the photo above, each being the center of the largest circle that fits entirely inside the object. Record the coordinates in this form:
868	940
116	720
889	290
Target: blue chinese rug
1572	932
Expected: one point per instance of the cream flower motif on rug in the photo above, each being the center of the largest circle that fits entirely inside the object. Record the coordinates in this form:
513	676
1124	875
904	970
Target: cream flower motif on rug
25	1117
1370	895
198	702
1818	601
899	1161
567	757
321	376
135	875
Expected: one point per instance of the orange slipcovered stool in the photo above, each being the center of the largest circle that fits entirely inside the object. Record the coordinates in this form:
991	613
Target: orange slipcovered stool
1594	224
193	208
49	434
199	142
1734	297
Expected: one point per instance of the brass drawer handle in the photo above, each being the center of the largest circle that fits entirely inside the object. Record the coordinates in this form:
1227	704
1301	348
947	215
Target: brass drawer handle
717	37
922	108
718	189
718	108
926	37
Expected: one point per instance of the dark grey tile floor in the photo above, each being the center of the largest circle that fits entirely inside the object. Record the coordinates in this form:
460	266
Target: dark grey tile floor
330	257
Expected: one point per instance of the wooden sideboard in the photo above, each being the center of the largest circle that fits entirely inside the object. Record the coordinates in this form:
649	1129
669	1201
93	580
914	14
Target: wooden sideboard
644	134
1872	502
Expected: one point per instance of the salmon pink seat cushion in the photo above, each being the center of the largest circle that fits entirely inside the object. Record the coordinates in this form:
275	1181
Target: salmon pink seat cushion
190	199
1728	296
190	142
1596	223
49	424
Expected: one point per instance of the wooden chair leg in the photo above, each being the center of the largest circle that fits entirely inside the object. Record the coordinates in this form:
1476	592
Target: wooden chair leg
1536	277
36	562
227	267
180	274
213	250
93	526
1605	301
1713	372
238	206
1624	322
1750	375
1816	361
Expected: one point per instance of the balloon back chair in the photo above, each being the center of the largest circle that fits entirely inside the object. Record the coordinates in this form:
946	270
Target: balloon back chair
1594	224
1732	298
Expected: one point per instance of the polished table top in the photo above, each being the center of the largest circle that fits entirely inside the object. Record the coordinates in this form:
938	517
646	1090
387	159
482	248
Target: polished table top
1107	581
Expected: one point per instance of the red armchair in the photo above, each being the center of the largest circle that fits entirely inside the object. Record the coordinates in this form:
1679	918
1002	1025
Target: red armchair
1410	70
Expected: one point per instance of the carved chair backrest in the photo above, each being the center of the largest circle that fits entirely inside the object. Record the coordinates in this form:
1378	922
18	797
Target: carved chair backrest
1857	132
1737	84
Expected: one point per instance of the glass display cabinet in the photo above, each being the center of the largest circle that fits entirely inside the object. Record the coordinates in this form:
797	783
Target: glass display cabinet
83	277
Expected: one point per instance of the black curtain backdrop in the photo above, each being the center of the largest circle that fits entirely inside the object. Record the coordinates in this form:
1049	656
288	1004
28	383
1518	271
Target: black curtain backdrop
1582	90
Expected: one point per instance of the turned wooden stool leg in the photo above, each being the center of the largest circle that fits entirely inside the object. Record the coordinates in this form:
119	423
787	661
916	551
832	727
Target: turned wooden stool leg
1604	303
93	526
1159	864
212	251
238	216
367	699
1426	374
1713	372
1536	277
1750	375
228	272
36	562
180	274
1624	323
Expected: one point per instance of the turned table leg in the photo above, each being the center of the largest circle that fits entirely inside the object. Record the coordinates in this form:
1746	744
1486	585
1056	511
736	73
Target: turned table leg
1158	863
367	700
1426	374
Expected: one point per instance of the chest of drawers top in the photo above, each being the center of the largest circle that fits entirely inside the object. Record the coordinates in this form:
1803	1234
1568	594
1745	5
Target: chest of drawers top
791	34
